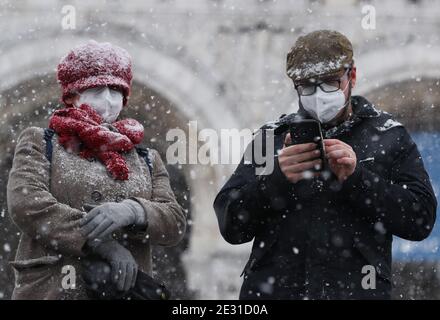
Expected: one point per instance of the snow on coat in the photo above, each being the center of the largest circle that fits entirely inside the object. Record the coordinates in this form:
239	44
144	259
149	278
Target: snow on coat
312	239
46	200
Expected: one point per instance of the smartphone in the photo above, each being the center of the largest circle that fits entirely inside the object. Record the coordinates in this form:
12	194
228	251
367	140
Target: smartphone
306	131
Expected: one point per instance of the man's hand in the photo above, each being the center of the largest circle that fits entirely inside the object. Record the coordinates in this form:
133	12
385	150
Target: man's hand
341	158
297	161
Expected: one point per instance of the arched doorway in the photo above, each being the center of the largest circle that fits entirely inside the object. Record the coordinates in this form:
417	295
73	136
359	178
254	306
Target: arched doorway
32	102
169	89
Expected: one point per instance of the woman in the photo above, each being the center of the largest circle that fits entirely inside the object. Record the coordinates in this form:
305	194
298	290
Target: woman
90	193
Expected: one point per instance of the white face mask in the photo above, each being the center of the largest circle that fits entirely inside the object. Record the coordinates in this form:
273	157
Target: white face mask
324	106
107	102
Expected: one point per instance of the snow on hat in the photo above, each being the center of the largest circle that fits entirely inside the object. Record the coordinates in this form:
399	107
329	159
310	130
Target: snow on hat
319	53
92	65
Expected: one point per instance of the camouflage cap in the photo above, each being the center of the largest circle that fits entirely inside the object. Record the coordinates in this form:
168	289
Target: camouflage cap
319	53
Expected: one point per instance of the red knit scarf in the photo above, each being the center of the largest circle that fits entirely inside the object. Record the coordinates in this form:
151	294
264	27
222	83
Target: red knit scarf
80	129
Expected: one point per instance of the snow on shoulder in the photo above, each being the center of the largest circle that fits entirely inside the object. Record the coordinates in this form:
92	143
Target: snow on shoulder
390	123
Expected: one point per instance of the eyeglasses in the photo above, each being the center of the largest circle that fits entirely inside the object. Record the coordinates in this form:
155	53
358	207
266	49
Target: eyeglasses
326	86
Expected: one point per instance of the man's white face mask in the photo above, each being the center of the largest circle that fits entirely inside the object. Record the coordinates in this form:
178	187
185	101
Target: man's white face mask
324	106
107	102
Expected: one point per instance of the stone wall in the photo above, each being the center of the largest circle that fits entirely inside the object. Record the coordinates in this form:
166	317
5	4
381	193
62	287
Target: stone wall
220	62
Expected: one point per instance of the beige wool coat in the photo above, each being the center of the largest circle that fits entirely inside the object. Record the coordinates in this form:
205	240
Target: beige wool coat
45	200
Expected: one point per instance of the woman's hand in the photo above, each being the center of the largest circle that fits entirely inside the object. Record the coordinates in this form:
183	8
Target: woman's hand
123	266
106	218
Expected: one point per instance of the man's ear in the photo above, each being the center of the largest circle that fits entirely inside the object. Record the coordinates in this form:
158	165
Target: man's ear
353	76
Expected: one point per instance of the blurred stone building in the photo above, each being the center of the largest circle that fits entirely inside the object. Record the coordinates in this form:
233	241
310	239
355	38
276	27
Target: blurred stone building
222	63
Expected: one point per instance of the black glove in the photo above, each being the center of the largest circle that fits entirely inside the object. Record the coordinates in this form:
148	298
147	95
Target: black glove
96	275
123	266
104	219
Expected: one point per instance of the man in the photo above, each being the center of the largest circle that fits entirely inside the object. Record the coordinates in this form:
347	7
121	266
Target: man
320	235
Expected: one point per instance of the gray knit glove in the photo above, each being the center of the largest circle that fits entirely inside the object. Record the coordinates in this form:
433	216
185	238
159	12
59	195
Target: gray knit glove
106	218
123	266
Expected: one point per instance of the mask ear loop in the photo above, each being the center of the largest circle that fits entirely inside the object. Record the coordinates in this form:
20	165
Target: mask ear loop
301	111
347	103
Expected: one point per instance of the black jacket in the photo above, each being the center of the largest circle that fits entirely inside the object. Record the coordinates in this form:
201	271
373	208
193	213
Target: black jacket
312	239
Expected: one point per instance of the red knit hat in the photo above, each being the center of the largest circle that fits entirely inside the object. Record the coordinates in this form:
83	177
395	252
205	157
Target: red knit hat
92	65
